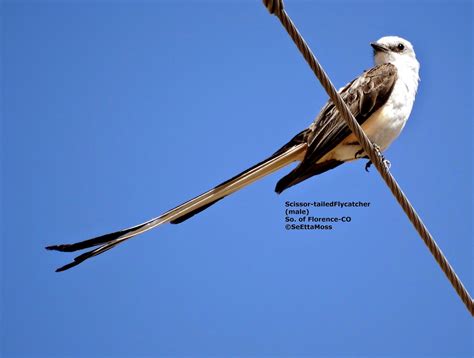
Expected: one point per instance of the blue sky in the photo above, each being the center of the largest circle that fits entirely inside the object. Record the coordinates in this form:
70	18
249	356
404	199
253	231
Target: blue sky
114	112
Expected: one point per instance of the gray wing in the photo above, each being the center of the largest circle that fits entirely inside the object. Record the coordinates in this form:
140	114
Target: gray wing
364	95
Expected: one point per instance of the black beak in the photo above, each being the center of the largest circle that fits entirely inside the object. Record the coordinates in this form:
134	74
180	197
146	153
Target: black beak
378	48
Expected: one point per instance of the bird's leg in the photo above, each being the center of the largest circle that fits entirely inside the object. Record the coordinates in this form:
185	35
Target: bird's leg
386	162
358	156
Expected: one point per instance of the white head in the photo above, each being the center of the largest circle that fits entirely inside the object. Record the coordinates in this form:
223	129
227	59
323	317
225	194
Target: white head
395	50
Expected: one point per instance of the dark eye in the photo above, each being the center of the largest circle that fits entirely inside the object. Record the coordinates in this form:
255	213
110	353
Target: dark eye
401	46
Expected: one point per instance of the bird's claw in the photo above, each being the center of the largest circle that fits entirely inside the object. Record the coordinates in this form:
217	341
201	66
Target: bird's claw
386	162
358	154
368	165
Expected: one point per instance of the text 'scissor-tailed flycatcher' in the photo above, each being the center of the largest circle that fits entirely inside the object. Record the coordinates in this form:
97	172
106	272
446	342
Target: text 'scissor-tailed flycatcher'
380	99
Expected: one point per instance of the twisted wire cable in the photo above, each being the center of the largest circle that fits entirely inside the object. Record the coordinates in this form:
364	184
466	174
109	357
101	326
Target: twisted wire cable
276	8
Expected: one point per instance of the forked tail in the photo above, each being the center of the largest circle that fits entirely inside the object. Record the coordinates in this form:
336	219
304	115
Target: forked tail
293	151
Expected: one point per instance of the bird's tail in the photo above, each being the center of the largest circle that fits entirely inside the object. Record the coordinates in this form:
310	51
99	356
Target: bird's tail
291	152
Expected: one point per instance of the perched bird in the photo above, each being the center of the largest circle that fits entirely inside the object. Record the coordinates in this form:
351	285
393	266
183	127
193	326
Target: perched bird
380	99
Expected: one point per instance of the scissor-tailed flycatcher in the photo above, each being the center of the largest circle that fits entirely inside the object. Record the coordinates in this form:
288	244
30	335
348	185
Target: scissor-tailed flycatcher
380	99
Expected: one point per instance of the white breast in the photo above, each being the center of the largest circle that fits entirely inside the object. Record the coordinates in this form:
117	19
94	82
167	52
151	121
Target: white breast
384	126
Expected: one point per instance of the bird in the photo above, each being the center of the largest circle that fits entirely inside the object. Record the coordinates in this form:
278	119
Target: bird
381	100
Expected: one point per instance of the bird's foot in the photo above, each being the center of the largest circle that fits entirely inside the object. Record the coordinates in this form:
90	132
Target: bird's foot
386	162
359	154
